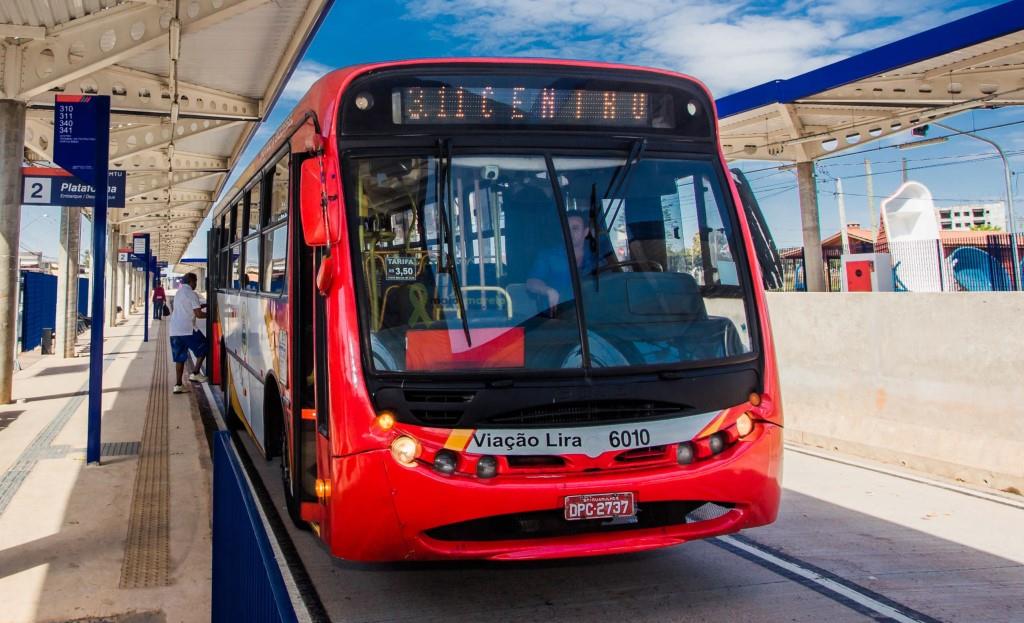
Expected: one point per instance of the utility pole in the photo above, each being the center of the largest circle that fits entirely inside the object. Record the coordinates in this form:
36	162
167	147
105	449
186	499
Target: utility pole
843	234
873	227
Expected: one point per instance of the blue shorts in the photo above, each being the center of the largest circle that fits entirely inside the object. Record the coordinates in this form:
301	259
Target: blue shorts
181	344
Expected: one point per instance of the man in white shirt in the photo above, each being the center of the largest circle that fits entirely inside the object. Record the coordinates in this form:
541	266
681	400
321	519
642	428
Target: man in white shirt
184	337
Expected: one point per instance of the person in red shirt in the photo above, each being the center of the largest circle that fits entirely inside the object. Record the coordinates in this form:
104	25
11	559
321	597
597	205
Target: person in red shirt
159	299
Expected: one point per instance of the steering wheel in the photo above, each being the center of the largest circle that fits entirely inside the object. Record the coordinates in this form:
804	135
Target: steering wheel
656	265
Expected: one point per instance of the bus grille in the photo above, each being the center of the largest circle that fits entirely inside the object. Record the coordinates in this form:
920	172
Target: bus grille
439	408
587	413
552	523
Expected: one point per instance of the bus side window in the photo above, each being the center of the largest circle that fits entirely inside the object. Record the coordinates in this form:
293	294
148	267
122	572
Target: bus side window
236	266
276	188
275	260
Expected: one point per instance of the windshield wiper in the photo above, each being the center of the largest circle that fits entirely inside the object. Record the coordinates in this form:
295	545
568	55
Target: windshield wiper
444	195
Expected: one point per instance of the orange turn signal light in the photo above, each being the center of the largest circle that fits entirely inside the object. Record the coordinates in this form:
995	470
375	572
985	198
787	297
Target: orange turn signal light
385	420
323	489
754	399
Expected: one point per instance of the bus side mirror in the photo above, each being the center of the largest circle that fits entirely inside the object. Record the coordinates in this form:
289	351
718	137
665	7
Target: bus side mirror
311	195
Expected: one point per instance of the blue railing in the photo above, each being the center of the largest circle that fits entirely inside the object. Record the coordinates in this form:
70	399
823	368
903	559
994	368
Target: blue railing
247	581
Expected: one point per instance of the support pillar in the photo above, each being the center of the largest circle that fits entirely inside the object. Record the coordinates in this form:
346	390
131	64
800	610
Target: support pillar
12	152
122	287
111	276
814	269
67	280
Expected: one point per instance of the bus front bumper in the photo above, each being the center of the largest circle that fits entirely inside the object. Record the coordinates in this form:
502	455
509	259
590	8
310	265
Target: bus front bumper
393	512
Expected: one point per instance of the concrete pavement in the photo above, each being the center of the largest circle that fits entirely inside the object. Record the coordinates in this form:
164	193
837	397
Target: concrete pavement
71	535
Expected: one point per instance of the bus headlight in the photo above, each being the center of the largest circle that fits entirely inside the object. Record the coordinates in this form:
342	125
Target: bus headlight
744	425
405	449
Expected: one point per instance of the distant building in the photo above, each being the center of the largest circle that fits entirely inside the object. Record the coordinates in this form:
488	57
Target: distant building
964	217
861	241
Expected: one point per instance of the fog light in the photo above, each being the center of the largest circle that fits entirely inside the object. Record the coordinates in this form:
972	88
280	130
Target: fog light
405	450
744	425
716	443
385	420
685	453
487	467
445	461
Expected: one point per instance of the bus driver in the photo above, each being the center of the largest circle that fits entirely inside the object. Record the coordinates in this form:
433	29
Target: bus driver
550	277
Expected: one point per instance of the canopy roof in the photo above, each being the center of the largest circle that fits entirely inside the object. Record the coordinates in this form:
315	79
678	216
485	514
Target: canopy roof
973	62
189	82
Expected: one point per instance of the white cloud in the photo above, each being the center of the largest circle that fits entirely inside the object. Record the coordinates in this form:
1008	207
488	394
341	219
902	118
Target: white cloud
730	45
305	74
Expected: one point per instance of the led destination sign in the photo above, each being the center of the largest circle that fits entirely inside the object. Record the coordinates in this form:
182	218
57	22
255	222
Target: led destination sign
521	105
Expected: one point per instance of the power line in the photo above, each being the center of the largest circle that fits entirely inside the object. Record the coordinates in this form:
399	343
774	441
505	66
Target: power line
917	168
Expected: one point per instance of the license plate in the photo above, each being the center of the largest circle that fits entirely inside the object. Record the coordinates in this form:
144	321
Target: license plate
599	506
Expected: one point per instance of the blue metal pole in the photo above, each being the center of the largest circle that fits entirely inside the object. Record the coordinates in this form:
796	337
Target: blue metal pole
99	261
145	272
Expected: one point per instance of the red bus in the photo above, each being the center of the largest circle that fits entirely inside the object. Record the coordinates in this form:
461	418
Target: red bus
503	309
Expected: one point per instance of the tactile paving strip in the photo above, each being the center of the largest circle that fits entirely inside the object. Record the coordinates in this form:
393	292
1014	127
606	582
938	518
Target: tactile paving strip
147	551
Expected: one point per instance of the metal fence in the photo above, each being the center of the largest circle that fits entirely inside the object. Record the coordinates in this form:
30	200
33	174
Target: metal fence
793	269
247	582
974	262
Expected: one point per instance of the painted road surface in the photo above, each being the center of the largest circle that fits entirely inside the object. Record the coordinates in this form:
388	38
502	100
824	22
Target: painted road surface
851	544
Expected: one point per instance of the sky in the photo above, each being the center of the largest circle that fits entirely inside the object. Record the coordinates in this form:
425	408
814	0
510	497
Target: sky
730	45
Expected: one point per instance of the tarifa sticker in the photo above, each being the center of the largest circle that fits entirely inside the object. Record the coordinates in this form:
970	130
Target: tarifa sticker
400	267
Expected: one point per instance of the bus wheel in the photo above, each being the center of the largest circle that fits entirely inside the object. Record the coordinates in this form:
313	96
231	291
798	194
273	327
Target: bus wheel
289	485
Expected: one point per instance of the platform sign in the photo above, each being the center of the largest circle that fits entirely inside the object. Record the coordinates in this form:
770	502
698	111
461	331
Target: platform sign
81	146
140	250
122	256
57	187
81	129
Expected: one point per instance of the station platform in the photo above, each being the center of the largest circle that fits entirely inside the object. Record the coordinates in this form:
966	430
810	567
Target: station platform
130	539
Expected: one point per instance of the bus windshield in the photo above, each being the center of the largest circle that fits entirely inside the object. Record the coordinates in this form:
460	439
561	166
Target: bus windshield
480	262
